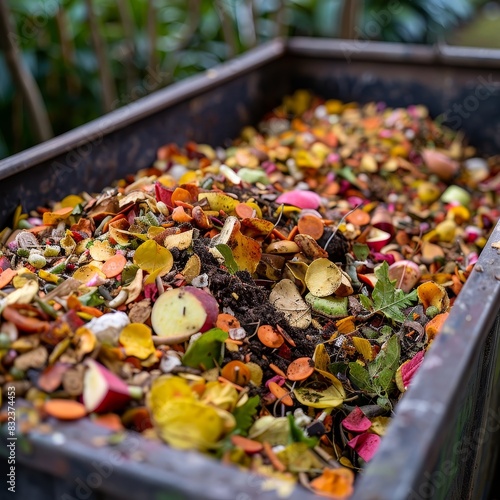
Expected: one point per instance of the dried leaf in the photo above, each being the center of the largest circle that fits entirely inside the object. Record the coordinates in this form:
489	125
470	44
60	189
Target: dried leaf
286	297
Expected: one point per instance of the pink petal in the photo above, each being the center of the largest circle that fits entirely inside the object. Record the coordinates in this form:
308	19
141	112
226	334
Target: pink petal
300	198
409	369
356	421
365	445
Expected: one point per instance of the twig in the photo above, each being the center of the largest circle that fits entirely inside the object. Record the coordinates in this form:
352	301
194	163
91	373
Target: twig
23	79
109	95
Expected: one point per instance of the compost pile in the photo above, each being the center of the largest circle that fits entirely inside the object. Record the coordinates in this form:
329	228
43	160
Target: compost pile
266	304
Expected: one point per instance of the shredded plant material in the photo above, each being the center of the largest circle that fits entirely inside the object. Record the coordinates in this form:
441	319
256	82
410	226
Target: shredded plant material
268	303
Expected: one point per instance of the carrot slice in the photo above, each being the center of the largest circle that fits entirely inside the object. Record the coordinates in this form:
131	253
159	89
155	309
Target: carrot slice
270	337
6	276
247	445
311	225
280	393
114	265
300	369
277	370
273	458
285	335
358	217
109	420
226	322
237	372
244	211
64	409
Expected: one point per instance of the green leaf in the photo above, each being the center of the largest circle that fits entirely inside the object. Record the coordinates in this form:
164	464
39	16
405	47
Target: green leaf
298	435
229	261
244	415
361	251
128	273
206	352
366	302
389	300
360	378
383	368
91	299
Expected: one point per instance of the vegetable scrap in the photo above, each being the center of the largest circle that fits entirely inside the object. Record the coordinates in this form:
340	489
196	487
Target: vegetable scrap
267	304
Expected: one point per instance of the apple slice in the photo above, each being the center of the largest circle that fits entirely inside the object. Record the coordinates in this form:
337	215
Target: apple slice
406	273
382	219
103	391
181	312
377	239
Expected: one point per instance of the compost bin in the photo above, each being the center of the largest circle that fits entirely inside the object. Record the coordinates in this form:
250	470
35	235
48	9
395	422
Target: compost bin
441	442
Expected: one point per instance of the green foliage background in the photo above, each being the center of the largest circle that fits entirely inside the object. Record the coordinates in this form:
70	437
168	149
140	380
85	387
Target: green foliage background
67	71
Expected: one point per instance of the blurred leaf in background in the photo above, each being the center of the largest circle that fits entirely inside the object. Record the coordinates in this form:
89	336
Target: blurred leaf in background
86	65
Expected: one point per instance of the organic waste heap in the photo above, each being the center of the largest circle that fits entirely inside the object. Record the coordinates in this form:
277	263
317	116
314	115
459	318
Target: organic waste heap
267	304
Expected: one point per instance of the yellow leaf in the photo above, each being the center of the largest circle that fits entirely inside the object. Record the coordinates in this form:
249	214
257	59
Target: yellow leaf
327	398
187	424
321	358
137	339
323	277
166	388
220	201
246	252
101	250
52	218
221	395
364	347
71	200
85	273
154	259
379	425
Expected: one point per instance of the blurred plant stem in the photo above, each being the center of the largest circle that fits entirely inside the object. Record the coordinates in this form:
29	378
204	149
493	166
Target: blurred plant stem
23	80
108	88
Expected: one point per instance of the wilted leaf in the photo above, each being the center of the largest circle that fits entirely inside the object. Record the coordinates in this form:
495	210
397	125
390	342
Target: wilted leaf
154	259
223	396
321	358
364	347
101	250
188	424
246	252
